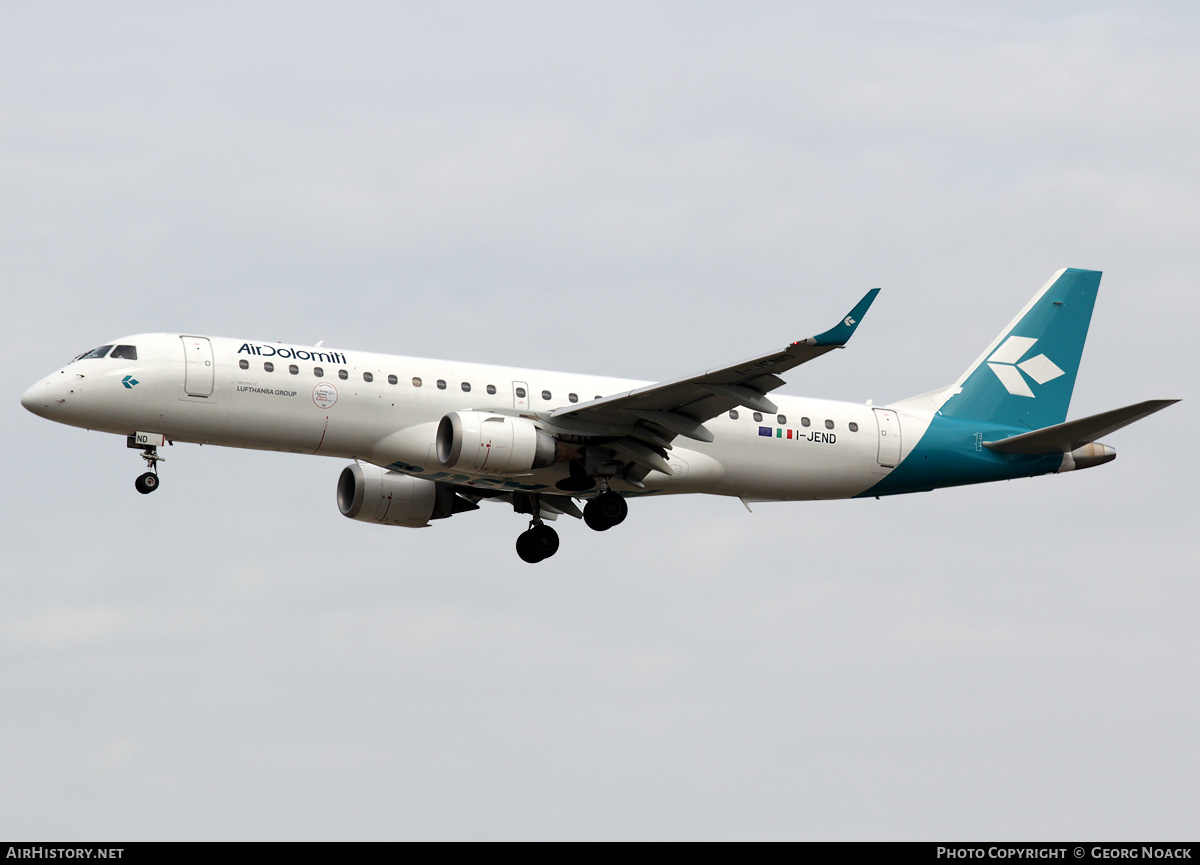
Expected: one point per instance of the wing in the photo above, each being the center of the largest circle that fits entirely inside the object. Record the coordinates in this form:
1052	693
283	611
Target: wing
639	425
680	407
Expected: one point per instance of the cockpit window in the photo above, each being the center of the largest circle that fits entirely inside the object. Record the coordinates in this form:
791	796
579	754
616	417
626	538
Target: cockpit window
96	352
128	352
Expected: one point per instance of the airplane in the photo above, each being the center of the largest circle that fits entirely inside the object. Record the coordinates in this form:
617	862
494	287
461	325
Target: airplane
432	438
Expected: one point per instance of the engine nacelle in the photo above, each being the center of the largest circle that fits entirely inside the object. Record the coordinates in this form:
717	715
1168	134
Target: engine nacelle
374	495
478	441
1091	454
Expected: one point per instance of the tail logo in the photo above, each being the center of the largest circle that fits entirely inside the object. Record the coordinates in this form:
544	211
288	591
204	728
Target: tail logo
1004	363
848	321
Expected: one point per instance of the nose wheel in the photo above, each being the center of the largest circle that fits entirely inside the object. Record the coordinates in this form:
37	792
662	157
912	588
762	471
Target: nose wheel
537	543
148	482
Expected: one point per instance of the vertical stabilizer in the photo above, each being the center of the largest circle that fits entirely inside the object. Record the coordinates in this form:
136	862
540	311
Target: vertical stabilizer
1026	376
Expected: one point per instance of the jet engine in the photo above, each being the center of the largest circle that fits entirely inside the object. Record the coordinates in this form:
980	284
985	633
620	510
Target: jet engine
1090	454
478	441
374	495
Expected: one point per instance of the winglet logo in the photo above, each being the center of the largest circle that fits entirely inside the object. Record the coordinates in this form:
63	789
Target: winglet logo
849	322
1003	363
129	381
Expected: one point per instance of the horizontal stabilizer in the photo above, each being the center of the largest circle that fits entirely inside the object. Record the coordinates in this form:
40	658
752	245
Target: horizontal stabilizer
1066	437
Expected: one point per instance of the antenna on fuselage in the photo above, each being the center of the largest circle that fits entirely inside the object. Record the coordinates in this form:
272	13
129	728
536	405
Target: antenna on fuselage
319	343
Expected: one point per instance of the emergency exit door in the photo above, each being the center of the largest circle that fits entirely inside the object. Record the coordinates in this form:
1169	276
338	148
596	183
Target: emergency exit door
520	395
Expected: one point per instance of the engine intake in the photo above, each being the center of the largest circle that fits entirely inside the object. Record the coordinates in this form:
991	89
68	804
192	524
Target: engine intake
373	495
487	443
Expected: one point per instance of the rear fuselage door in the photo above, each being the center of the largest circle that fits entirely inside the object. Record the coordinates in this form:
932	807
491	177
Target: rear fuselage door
198	372
889	437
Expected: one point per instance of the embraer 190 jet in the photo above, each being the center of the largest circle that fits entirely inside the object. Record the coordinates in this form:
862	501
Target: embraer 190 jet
432	438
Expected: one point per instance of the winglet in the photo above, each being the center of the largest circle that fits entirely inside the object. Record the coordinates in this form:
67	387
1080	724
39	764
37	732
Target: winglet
840	334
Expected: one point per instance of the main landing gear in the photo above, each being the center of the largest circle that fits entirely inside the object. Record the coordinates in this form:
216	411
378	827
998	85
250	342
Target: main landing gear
540	542
537	543
605	511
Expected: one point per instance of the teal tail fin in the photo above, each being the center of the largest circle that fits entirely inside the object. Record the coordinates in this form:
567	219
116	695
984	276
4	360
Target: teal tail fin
1026	376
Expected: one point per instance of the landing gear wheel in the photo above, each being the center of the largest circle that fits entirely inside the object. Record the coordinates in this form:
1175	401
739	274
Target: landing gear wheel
544	539
525	551
540	542
605	511
148	482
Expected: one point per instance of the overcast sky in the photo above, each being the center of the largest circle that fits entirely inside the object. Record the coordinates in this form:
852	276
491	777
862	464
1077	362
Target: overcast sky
614	188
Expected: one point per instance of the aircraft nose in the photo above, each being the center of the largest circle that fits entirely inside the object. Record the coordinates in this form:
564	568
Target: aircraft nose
37	398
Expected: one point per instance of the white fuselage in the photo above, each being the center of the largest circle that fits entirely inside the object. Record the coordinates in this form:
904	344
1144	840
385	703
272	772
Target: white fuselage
385	409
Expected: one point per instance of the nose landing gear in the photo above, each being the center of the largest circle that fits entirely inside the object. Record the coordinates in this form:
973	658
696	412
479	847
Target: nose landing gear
148	482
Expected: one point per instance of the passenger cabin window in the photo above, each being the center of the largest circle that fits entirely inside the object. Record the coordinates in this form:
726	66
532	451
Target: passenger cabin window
782	419
466	386
244	364
520	392
545	394
758	417
828	424
269	367
127	352
573	397
441	384
293	369
318	372
368	377
416	381
95	352
853	426
393	380
343	375
805	421
733	414
491	388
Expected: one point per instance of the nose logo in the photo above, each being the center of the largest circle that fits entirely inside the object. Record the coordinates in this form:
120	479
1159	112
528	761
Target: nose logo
129	381
1012	374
